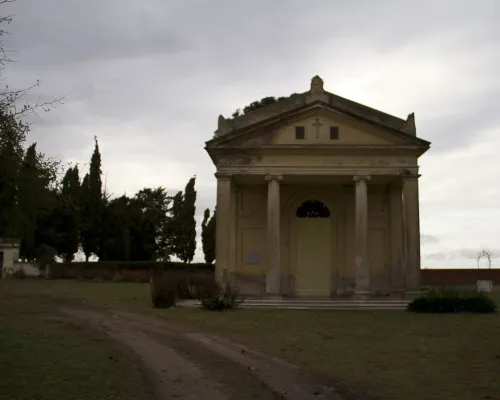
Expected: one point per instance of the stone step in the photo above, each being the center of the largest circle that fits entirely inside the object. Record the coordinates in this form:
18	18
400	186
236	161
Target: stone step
313	304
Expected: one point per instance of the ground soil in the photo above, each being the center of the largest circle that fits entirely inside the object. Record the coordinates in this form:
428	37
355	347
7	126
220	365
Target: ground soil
191	365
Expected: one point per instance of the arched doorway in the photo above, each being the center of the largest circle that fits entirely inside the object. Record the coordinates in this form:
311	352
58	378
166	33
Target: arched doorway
313	249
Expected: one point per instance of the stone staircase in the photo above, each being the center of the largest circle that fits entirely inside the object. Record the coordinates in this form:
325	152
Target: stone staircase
297	304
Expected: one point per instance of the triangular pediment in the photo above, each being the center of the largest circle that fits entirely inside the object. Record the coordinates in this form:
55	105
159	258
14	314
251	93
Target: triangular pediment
319	125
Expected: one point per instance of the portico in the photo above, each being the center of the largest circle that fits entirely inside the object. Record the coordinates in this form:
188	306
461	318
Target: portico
314	199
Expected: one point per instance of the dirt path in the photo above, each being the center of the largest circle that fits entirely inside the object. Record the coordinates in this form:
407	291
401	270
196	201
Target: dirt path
172	376
163	350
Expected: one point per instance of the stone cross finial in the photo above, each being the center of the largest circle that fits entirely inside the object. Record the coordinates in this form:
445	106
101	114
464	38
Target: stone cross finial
317	85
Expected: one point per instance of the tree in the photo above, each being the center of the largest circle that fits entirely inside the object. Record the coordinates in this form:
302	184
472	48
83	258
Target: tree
12	138
183	223
116	232
149	213
30	188
189	221
208	236
13	221
174	226
69	208
92	205
10	99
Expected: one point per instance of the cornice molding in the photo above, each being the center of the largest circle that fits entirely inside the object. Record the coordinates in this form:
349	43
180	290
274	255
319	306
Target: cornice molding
318	150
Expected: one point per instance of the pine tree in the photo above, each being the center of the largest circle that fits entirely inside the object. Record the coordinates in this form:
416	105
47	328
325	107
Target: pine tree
208	236
93	205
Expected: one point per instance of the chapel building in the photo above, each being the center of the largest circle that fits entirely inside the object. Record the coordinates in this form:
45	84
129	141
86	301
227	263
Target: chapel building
317	196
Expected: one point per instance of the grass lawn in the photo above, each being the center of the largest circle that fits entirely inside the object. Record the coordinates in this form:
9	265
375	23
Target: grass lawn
44	356
389	354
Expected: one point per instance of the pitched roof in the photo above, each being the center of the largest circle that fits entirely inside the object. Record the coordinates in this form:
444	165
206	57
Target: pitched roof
316	94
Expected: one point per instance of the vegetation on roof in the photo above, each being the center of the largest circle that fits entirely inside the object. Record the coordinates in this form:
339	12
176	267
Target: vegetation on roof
259	104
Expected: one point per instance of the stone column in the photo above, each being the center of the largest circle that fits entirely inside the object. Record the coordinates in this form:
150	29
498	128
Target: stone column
273	235
397	271
361	236
223	229
411	222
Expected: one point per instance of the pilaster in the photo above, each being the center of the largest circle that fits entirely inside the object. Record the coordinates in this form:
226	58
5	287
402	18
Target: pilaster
411	223
273	235
225	229
361	236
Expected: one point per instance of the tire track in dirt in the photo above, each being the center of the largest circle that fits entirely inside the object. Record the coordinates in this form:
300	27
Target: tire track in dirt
286	381
173	377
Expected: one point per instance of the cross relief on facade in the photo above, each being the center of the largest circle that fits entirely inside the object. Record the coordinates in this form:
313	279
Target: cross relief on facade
317	124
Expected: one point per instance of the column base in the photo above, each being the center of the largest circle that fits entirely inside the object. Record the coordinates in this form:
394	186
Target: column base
411	294
362	295
270	296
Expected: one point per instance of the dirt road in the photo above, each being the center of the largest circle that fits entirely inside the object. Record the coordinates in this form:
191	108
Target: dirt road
190	365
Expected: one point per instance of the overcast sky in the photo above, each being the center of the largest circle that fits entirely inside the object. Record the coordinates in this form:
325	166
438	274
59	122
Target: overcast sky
150	78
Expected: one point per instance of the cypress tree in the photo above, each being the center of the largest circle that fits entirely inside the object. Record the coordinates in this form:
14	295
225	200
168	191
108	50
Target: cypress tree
189	221
208	236
29	198
175	229
93	204
36	201
69	208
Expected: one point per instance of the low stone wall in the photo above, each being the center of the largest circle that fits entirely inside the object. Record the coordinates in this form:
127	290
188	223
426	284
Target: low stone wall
124	272
29	270
458	277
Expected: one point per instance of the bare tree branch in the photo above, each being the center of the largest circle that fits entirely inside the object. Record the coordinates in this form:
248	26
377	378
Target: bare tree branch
10	99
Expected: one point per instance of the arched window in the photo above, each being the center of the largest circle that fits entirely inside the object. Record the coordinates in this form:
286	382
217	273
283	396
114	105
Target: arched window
313	209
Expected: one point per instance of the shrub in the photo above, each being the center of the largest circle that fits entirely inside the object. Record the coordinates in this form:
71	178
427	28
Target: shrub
19	274
194	284
218	298
451	301
163	290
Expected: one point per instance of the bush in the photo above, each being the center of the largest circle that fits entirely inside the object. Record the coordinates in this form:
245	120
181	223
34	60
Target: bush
163	290
218	298
194	284
19	274
451	301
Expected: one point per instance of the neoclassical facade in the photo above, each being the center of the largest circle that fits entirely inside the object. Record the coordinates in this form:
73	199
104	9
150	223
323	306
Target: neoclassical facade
317	196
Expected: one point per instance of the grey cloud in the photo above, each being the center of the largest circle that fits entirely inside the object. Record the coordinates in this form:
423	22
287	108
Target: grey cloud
468	254
428	239
472	254
150	78
436	256
452	131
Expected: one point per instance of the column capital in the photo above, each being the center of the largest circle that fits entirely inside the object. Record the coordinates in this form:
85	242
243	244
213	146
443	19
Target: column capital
274	177
410	174
361	177
223	176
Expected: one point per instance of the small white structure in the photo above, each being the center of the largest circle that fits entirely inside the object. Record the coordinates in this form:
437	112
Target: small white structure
484	286
9	254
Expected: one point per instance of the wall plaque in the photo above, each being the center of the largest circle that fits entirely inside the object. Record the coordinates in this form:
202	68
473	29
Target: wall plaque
252	258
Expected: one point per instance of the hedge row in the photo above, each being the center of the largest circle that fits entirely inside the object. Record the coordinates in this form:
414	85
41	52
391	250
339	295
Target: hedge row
132	265
123	271
452	301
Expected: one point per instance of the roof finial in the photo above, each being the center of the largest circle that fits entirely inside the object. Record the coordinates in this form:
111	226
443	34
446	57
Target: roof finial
317	85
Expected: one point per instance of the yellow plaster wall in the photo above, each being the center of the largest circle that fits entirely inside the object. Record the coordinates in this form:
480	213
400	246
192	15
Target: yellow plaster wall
350	132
